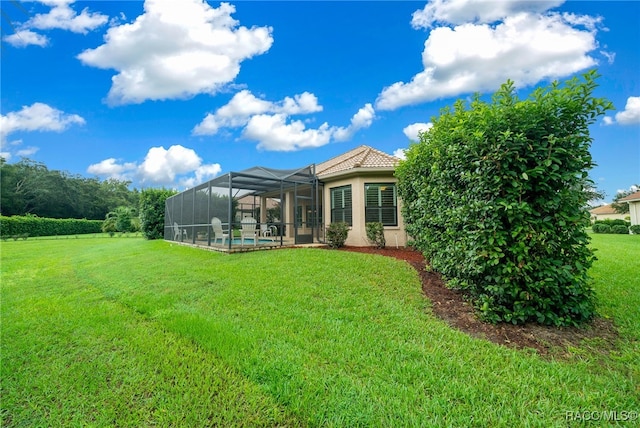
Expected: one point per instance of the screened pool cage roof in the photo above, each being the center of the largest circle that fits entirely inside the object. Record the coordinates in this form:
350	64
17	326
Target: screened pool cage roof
260	180
189	215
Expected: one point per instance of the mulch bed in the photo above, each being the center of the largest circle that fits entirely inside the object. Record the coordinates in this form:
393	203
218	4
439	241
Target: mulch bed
450	306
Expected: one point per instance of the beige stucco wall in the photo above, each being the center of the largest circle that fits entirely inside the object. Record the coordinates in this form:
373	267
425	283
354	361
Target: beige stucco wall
634	212
616	216
394	235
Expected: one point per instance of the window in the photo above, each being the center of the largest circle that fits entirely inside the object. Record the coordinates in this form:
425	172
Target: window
380	202
341	204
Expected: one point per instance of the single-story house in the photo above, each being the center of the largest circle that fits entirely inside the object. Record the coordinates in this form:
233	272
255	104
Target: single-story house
605	212
356	187
634	207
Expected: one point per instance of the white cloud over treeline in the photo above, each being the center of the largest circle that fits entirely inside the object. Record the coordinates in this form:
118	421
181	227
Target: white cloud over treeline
37	117
270	124
175	166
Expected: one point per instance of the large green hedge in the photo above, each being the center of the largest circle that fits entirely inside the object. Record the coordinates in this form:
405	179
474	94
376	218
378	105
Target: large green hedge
37	226
494	195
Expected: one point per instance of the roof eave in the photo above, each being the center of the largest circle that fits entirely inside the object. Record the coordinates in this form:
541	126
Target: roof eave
355	172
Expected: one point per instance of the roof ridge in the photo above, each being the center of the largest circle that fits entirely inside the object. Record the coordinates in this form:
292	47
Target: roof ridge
363	156
630	197
347	152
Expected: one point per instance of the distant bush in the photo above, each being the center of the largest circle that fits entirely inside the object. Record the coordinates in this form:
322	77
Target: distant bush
635	229
620	229
24	226
375	234
612	222
617	226
601	228
337	234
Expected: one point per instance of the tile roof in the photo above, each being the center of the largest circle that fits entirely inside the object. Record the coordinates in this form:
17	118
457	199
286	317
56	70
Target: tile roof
605	209
632	197
360	157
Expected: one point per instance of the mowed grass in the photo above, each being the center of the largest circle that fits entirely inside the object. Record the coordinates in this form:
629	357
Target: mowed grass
128	332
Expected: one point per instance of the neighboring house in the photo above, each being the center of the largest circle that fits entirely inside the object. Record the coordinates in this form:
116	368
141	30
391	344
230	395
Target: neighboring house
606	212
356	187
634	207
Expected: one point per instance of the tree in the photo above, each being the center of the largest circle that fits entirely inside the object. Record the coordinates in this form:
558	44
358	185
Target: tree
152	207
623	207
495	196
122	219
29	187
593	193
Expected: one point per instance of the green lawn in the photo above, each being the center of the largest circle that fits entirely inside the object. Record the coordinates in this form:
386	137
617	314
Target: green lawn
128	332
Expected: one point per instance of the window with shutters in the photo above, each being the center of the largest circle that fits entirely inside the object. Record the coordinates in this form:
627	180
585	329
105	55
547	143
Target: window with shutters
380	200
341	205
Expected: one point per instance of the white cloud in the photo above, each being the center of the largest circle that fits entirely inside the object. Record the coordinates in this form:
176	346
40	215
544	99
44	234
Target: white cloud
478	11
24	38
176	49
111	169
239	110
362	119
27	151
524	47
202	174
411	131
632	188
274	133
610	56
177	166
629	116
400	153
269	122
162	166
62	16
37	117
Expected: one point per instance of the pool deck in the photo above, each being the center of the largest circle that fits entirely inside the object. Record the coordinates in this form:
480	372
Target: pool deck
238	248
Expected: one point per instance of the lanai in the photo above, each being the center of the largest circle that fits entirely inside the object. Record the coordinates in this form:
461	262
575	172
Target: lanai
188	214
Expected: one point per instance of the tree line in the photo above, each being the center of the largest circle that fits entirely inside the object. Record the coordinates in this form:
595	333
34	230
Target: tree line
28	187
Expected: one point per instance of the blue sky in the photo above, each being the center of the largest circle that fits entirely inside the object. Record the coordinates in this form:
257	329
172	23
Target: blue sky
172	93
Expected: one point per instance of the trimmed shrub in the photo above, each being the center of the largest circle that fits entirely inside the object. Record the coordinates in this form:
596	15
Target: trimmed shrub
375	234
495	194
620	229
613	222
24	226
601	228
337	234
635	229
